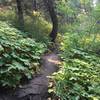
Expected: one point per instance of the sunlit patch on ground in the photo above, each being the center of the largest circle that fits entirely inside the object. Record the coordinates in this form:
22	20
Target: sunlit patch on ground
54	61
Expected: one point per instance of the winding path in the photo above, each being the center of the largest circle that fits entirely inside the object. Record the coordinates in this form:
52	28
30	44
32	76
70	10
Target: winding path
37	88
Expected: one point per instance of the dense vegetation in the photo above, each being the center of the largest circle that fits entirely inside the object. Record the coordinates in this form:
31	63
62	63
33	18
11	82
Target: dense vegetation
27	28
79	76
19	56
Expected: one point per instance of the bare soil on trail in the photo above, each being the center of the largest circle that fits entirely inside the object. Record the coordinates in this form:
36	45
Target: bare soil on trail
37	88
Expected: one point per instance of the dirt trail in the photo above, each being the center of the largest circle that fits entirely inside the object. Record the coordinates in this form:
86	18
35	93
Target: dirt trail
37	88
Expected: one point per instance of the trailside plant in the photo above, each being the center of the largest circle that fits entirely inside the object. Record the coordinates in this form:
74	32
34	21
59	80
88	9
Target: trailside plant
79	76
19	56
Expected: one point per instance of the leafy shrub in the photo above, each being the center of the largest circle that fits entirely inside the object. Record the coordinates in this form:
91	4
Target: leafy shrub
37	26
8	15
19	56
79	79
86	42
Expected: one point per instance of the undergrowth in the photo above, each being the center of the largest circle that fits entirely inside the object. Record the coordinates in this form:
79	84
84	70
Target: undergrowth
79	76
34	26
19	56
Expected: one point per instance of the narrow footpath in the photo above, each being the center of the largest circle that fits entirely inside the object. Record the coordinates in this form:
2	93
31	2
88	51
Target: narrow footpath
37	88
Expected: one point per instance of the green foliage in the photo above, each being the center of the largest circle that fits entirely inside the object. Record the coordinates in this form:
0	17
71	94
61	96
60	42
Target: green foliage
83	41
8	14
19	56
36	25
79	78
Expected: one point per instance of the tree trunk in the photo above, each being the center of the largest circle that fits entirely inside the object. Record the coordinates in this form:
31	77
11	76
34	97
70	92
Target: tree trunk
50	6
20	14
34	5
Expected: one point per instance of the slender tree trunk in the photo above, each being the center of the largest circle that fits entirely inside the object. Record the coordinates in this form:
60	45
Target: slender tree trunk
20	14
50	6
34	5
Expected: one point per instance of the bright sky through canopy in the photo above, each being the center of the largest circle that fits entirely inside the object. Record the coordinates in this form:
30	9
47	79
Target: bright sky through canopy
94	2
